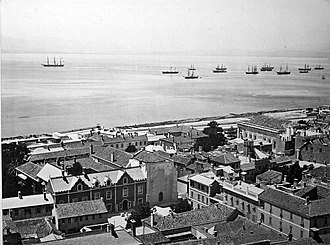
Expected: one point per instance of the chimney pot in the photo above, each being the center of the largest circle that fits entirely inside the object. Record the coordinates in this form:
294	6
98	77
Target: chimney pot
20	195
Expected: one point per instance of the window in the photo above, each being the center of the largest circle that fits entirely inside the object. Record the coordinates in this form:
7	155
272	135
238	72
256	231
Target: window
69	220
125	192
27	211
63	221
97	184
16	212
97	195
270	220
290	229
145	142
191	194
93	216
302	221
140	189
262	218
237	201
38	210
125	180
49	209
100	216
108	182
76	219
140	142
86	217
198	196
79	187
81	218
202	198
109	195
281	214
140	200
291	216
160	197
122	145
281	226
270	209
117	146
243	206
301	233
109	207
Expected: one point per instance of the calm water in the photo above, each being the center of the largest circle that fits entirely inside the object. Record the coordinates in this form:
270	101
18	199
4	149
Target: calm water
115	90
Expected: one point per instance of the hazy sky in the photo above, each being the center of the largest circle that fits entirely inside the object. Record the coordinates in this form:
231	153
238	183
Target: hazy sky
167	25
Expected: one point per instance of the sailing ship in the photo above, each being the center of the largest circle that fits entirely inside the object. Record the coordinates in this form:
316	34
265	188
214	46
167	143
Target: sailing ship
253	71
304	69
171	71
191	75
267	67
318	67
192	68
55	64
219	69
284	72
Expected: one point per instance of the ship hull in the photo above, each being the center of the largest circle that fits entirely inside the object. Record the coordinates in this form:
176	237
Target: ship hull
44	65
191	77
219	71
251	72
283	73
266	68
170	72
319	68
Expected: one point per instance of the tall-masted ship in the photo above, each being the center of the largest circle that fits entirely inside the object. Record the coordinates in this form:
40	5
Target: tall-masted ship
55	64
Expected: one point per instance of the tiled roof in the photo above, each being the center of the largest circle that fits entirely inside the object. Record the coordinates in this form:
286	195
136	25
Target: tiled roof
282	160
270	122
100	239
323	192
31	227
89	163
29	169
61	184
176	158
153	238
248	166
269	176
148	157
321	172
296	204
27	201
304	191
204	215
76	209
121	158
203	179
122	139
225	159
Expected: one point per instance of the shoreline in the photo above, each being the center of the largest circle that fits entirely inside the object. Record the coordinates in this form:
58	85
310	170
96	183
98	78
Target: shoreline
161	123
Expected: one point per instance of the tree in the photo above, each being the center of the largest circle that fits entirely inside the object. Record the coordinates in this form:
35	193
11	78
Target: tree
139	212
182	206
131	149
13	155
215	137
76	169
295	172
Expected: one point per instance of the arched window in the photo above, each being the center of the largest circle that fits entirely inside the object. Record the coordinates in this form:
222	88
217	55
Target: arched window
96	184
108	182
125	192
160	197
125	180
79	187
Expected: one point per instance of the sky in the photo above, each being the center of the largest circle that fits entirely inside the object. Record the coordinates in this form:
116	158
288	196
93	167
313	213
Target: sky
165	25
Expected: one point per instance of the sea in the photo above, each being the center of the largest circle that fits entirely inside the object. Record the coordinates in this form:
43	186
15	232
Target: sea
117	90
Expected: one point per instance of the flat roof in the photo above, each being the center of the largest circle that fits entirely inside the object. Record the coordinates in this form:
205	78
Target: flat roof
27	201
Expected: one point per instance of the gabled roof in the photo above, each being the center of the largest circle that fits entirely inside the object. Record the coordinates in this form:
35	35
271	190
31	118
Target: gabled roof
76	209
27	201
89	163
60	154
61	184
29	169
270	122
121	158
201	216
225	159
49	171
202	179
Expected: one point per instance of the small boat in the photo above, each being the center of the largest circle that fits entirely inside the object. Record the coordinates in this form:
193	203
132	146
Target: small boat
267	67
284	72
305	68
55	64
303	71
219	69
319	67
253	71
191	75
323	77
171	71
192	68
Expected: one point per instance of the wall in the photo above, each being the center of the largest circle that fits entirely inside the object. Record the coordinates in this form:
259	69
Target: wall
161	177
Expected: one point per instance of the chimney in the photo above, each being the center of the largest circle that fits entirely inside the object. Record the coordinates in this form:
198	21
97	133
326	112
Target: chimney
45	196
152	218
102	139
91	152
307	200
133	228
284	178
20	195
215	233
75	160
